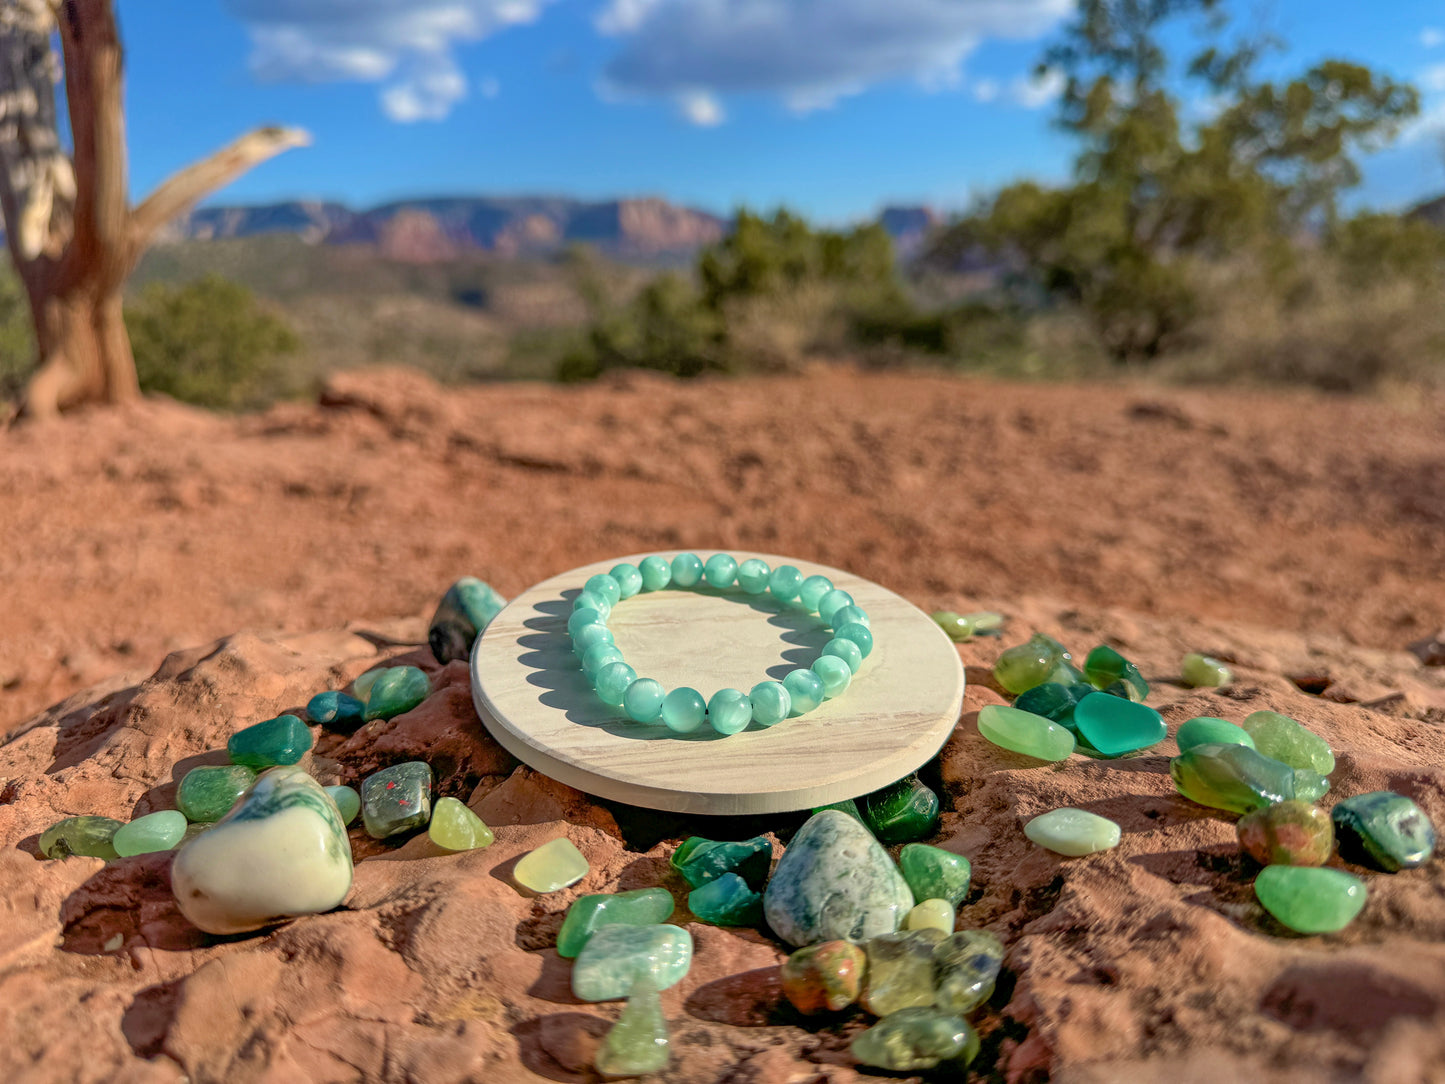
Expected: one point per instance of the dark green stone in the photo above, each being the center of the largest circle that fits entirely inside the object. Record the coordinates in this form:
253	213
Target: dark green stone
935	874
848	806
282	740
468	607
727	901
335	709
396	799
87	836
702	860
207	794
397	690
1105	669
903	812
1054	701
1383	829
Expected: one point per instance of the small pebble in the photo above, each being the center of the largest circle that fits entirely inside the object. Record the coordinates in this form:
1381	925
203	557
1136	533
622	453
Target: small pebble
901	813
1020	668
282	740
91	837
154	832
1204	672
348	801
638	1043
933	873
966	966
396	799
1310	900
639	907
454	827
551	867
396	691
1073	832
900	971
335	709
726	901
1210	730
934	914
1285	740
1291	833
615	958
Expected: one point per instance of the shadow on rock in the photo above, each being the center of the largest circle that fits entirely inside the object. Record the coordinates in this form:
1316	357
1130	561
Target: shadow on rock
752	999
561	1046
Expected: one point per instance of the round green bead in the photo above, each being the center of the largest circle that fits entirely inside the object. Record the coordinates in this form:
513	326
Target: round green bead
628	577
584	616
753	576
785	583
729	711
851	614
592	600
643	700
836	675
612	682
805	689
720	571
813	590
597	656
656	572
846	650
348	802
834	600
771	703
683	710
589	634
604	585
153	832
861	635
686	570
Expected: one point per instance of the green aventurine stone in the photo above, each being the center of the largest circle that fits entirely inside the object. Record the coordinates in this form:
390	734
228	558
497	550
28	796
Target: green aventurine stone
966	966
1105	667
1020	668
640	907
1073	832
348	801
396	691
153	832
87	836
465	610
335	709
1114	726
933	873
1384	829
550	867
1310	786
913	1039
615	958
1201	671
702	860
207	794
902	812
825	977
1210	730
454	827
1289	833
396	799
637	1043
1310	900
282	740
1280	737
1054	701
900	971
1232	777
1026	733
727	901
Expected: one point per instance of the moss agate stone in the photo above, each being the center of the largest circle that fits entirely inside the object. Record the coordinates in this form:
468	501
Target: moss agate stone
281	852
934	914
835	882
900	813
900	971
933	873
966	967
1310	900
396	799
88	836
348	801
638	1042
615	958
1026	733
1281	738
1292	833
702	860
1114	726
1232	777
1384	830
551	867
640	907
826	977
1020	668
335	709
454	827
1211	730
918	1039
396	691
465	610
282	740
1073	832
1204	672
154	832
727	901
207	794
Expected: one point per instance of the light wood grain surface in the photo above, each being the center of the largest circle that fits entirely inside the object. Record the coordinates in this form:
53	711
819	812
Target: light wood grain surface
533	697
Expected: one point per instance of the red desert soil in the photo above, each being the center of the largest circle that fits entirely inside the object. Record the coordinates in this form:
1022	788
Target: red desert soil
1302	538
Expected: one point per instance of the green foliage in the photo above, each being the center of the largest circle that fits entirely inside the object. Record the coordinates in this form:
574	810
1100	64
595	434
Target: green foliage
207	342
17	335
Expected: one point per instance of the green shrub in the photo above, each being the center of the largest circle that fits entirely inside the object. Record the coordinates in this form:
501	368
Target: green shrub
17	335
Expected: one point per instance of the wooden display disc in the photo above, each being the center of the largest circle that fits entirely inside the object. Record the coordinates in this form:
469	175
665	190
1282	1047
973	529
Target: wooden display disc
532	695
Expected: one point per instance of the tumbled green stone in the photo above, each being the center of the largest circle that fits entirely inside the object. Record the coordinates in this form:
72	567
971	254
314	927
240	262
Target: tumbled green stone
825	977
771	702
1020	668
702	860
1310	786
860	634
933	873
1105	667
1292	833
88	836
729	711
1232	777
362	685
465	610
1053	700
833	601
1023	732
637	1043
604	585
612	682
640	907
683	710
1385	830
932	914
615	958
589	634
1066	673
454	827
207	794
551	867
727	901
656	572
335	709
1309	899
812	591
952	623
686	570
643	700
600	655
348	802
720	570
282	740
902	812
1283	739
153	832
1072	832
396	691
846	650
900	971
918	1038
835	674
965	967
1114	726
753	576
805	691
1204	672
396	799
1210	730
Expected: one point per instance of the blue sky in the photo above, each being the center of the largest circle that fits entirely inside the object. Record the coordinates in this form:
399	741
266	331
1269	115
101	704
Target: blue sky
833	107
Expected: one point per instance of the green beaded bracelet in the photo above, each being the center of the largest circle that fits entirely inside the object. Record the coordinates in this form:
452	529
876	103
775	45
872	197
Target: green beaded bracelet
683	710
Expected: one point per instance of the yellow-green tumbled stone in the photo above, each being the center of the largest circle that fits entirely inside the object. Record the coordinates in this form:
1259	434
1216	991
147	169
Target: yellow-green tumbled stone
638	1043
1204	672
900	971
454	827
1020	668
1285	740
1023	732
918	1039
153	832
550	867
91	837
934	914
1310	900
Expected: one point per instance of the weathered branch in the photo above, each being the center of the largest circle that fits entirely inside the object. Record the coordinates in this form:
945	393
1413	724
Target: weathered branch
181	190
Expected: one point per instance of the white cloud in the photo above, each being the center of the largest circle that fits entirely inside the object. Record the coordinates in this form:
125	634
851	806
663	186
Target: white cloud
409	42
1433	78
1037	91
701	108
1431	37
986	90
